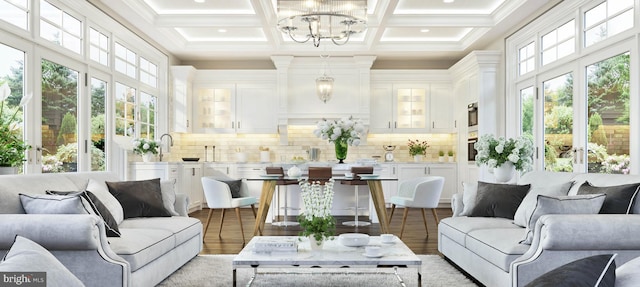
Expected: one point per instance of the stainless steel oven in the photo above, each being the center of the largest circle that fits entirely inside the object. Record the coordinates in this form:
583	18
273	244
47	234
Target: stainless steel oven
472	152
473	114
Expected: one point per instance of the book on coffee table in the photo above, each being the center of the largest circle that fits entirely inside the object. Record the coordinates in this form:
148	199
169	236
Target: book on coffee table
263	245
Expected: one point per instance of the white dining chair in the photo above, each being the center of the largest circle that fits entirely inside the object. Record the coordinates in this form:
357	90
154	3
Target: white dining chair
218	196
421	192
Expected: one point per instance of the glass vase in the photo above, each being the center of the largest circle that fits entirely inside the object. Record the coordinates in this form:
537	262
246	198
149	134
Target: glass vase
341	151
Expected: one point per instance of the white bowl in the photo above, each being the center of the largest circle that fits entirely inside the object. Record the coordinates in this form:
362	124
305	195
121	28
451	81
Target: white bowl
354	239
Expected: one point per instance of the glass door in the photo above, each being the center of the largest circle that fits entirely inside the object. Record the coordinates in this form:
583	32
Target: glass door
558	115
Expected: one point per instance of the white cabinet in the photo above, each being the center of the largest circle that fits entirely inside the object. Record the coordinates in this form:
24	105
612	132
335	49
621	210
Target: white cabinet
251	171
191	184
211	169
235	108
411	108
448	171
141	171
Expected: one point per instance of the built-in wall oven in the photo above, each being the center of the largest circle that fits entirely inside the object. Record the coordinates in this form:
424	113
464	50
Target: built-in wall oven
473	114
472	152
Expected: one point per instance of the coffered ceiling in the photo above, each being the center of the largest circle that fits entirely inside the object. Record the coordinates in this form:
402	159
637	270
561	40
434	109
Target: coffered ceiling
397	29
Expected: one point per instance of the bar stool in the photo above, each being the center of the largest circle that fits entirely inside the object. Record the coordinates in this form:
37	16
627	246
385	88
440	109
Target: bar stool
279	183
357	182
321	174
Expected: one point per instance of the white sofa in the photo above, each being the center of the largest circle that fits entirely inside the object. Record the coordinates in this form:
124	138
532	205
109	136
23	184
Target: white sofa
489	250
149	249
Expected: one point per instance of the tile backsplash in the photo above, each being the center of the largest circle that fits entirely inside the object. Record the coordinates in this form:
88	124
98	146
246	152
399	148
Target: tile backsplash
299	140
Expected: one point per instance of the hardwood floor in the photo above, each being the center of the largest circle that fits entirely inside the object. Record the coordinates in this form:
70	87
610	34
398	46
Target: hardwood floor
230	241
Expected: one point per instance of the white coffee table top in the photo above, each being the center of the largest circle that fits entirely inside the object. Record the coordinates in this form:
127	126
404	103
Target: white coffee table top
332	254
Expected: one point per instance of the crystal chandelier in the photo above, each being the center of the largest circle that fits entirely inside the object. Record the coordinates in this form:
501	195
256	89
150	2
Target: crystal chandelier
303	20
324	83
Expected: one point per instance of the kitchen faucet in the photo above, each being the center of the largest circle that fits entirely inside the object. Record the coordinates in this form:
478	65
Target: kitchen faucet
170	143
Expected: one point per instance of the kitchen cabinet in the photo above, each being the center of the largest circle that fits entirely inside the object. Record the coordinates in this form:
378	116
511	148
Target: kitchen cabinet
211	169
234	108
411	108
191	184
448	171
250	171
162	170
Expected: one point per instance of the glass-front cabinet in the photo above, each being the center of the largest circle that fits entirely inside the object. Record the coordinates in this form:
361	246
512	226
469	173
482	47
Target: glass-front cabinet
213	108
410	108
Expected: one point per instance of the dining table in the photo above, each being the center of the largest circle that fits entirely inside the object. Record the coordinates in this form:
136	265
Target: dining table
269	186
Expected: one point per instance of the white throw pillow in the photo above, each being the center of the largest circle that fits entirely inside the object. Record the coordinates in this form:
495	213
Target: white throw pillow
523	214
167	187
469	195
101	191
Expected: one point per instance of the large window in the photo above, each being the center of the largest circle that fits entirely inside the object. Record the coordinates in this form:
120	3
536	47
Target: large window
98	124
526	58
60	27
98	47
125	61
11	74
15	12
607	19
558	43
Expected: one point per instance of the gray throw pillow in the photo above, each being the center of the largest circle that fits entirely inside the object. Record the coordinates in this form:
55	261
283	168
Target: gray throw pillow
234	186
139	198
576	204
167	187
498	200
529	203
26	256
597	271
52	204
619	200
98	208
100	190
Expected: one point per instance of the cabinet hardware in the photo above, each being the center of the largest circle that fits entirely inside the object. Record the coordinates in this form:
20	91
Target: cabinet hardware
233	125
394	170
389	124
193	171
455	124
433	125
425	170
85	147
187	123
395	125
238	124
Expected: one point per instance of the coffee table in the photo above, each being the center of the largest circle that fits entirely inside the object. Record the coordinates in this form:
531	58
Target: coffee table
333	255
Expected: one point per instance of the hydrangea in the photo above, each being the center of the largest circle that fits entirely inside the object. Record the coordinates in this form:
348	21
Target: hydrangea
493	152
347	130
142	146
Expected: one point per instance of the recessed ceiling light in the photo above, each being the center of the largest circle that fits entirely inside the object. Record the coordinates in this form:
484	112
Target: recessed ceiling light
202	1
448	1
222	30
425	30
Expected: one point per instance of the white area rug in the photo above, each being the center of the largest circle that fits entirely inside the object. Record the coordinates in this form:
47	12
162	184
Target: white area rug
216	270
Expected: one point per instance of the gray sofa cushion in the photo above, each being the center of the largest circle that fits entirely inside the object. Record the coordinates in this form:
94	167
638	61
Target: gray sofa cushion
28	256
97	207
457	228
53	204
183	228
619	200
498	200
499	246
523	214
139	198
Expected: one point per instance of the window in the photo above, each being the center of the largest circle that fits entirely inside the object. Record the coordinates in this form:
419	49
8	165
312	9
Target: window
558	123
60	27
558	43
98	47
526	110
11	73
15	12
148	72
147	115
125	110
607	19
98	120
125	61
526	58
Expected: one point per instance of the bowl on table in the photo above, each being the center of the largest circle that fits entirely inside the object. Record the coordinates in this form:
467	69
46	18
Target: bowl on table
353	239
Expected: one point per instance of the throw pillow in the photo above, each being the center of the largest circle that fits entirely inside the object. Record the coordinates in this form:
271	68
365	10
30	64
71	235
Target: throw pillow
620	198
167	187
627	275
498	200
234	186
140	198
597	270
576	204
26	256
529	203
469	194
52	204
110	224
100	190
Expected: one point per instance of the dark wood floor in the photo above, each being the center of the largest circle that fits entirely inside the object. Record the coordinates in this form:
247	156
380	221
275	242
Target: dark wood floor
231	241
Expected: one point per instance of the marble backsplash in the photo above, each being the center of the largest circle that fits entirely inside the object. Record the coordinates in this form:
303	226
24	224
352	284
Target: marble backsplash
299	140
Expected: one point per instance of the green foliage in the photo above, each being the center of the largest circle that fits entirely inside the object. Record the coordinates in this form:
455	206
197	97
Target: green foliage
450	153
97	124
559	121
67	127
67	152
608	87
595	121
527	116
596	153
417	147
319	227
440	153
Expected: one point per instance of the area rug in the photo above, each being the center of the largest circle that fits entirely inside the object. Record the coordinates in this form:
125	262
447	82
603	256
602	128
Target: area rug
216	270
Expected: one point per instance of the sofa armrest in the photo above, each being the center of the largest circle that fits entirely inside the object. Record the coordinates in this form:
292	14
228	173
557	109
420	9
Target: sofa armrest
182	204
456	204
563	238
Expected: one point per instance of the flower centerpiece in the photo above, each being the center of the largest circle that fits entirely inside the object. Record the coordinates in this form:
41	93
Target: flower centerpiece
417	149
316	220
498	152
145	147
12	145
343	133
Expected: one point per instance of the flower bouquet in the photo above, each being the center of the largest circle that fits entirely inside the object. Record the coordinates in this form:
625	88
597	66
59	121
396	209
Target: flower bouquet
494	152
146	148
343	133
316	221
417	147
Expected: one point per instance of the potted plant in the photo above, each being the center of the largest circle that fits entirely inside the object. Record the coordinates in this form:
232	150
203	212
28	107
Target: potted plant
503	156
12	145
316	222
343	133
417	149
146	148
441	156
450	153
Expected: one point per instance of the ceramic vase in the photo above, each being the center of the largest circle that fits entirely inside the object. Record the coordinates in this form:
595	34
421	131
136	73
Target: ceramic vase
341	151
147	157
316	246
417	158
504	172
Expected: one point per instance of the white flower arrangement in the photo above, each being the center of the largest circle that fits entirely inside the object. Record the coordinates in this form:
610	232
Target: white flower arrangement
347	130
494	152
142	146
317	219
